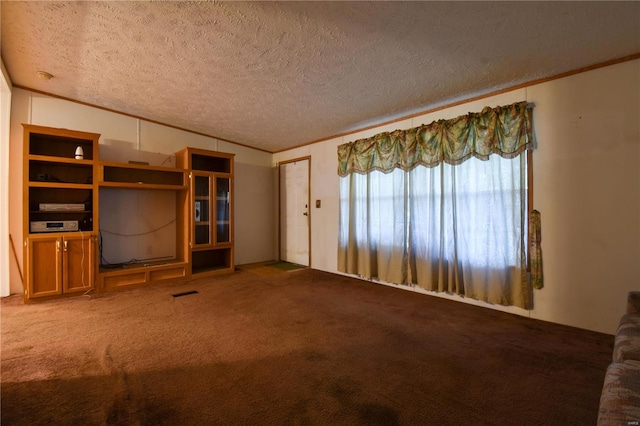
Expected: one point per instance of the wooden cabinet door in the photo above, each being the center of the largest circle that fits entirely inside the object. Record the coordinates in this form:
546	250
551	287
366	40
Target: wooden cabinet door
222	212
202	217
44	259
77	263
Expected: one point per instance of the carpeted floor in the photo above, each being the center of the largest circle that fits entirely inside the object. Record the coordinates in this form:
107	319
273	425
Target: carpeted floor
302	348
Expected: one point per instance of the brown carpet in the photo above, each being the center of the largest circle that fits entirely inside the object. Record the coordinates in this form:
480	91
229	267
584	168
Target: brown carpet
302	348
270	268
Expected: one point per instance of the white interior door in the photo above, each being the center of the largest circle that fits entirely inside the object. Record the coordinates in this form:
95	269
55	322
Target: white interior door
294	212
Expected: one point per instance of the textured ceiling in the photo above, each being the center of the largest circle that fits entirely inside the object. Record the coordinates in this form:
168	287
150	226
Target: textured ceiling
273	75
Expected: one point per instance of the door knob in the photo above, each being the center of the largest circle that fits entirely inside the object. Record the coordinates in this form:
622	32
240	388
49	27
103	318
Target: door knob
305	213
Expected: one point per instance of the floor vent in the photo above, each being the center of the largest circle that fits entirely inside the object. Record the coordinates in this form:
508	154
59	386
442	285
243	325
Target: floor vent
186	293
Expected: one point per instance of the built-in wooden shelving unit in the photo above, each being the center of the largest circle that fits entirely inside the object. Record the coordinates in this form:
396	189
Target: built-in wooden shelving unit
62	183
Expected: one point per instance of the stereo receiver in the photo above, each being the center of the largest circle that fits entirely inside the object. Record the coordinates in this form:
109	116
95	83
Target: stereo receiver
54	226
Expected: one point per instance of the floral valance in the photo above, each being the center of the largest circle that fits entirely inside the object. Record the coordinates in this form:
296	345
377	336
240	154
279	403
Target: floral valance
504	130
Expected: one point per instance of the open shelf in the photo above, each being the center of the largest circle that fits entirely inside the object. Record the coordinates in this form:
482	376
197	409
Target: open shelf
212	260
210	163
141	176
43	193
60	145
55	173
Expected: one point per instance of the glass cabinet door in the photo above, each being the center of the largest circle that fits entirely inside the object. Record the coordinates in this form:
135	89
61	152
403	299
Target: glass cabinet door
223	209
202	210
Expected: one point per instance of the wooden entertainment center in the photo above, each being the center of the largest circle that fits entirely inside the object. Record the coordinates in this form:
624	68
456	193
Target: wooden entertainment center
63	180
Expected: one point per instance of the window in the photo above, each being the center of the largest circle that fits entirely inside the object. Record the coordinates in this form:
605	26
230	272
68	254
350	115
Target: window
458	228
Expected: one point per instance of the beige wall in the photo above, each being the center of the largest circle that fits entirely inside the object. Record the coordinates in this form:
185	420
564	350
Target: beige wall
125	138
5	112
586	186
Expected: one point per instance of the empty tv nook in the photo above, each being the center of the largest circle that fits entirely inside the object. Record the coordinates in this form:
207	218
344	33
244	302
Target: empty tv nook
90	225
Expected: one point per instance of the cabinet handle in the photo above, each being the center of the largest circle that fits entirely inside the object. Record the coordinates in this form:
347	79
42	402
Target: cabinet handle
58	246
66	245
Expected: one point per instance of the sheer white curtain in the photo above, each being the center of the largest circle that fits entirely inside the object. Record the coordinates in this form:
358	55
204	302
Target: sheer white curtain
468	229
457	229
373	217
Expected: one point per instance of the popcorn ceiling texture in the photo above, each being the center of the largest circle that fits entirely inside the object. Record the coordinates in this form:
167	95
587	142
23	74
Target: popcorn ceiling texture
278	74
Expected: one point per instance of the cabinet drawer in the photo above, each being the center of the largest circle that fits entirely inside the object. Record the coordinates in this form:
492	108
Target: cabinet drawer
166	274
123	279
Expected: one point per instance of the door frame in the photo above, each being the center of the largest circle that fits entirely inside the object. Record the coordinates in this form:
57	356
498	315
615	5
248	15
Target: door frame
294	160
